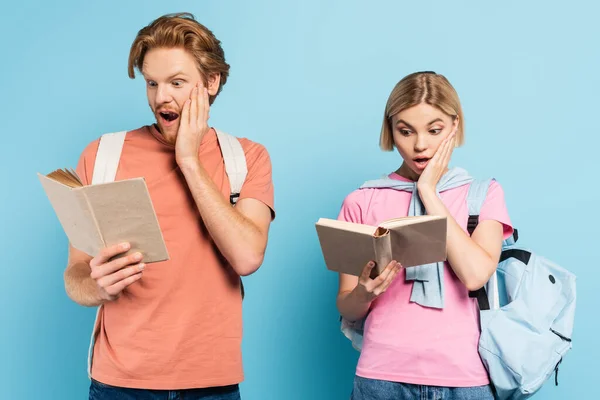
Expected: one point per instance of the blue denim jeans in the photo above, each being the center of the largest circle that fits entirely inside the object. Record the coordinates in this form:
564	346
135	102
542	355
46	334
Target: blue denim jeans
373	389
100	391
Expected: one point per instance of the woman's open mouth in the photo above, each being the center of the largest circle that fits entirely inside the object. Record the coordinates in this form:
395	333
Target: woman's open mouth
421	162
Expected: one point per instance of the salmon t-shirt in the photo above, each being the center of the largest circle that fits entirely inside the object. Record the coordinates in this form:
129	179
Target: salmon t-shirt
404	341
180	325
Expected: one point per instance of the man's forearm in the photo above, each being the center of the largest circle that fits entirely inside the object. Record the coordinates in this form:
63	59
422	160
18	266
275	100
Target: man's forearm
80	287
239	240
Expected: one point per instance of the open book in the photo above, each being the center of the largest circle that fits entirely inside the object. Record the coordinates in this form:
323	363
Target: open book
102	215
347	247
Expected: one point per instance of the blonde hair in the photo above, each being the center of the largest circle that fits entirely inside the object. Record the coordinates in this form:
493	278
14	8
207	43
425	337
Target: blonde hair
181	31
421	87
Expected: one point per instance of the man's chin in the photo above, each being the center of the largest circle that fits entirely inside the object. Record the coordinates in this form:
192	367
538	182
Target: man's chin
168	132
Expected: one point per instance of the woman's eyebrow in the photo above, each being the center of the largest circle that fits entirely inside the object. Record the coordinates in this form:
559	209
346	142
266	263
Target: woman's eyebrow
401	121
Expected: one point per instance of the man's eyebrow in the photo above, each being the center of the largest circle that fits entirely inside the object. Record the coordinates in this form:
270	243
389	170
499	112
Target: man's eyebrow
148	77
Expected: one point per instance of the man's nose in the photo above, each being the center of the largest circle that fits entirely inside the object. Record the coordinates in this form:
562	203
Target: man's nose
163	95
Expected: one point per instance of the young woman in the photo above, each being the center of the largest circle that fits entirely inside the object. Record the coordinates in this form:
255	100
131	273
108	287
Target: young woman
421	328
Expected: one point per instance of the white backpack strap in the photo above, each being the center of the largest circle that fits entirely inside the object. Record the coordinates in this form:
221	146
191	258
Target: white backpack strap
235	163
107	157
95	332
105	170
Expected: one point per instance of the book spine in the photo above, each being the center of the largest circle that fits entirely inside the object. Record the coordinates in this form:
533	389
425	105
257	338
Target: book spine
93	215
383	251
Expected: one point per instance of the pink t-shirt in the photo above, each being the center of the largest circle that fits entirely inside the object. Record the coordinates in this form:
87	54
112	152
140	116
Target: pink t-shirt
404	341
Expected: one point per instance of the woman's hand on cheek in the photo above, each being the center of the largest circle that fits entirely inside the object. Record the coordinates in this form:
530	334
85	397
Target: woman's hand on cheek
438	164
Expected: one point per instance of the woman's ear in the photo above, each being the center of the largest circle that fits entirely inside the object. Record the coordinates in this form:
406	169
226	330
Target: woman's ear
455	123
214	81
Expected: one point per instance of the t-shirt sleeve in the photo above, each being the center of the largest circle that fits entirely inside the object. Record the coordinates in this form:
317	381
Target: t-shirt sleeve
85	165
259	183
494	208
351	210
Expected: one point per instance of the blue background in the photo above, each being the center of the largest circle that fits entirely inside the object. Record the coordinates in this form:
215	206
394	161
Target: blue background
309	80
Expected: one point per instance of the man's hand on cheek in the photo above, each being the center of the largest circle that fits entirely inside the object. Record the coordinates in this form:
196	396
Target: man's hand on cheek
193	125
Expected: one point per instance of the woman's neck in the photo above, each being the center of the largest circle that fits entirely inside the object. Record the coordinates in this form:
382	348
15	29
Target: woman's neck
405	172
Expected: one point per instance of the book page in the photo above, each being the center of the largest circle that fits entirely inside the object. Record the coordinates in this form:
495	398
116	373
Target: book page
402	221
66	177
346	251
347	226
73	214
123	211
417	244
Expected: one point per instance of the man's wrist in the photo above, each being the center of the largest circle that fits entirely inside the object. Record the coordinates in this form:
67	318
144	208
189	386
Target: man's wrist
188	164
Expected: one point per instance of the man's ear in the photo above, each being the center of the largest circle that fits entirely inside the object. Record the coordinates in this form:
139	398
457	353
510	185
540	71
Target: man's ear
214	81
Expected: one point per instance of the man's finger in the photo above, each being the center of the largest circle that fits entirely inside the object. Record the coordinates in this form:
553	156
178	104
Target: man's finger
115	265
108	274
118	287
185	113
194	105
200	104
108	253
206	111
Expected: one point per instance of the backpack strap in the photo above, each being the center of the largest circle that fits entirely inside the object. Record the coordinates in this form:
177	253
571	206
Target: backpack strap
107	157
236	169
475	199
235	163
105	171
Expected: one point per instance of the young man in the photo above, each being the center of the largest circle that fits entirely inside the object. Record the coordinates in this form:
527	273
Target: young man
174	328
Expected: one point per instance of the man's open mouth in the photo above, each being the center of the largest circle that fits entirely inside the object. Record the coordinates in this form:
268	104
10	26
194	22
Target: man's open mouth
169	115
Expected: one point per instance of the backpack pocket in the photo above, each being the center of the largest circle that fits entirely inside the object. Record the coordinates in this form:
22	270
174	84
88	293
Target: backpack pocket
522	342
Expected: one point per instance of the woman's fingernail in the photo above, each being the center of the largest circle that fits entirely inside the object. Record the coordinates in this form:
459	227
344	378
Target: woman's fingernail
142	266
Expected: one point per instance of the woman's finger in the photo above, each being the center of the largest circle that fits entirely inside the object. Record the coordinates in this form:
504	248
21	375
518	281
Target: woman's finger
384	274
366	272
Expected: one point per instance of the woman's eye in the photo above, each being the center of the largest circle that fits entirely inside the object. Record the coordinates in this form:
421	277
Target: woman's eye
404	132
177	83
435	131
151	83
